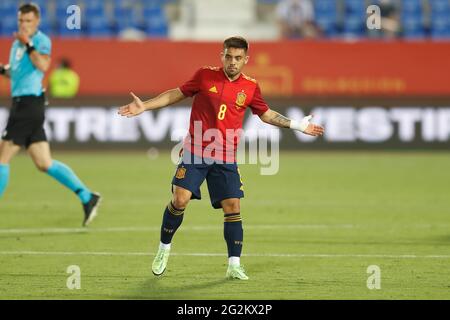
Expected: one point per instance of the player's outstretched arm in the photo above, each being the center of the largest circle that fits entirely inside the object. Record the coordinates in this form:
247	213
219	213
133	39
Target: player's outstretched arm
137	106
305	126
4	70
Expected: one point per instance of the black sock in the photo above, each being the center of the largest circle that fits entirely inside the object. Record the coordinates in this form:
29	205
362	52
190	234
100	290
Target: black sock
172	219
233	233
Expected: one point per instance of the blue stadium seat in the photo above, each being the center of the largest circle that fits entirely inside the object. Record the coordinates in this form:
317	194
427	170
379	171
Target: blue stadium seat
128	20
413	27
440	35
126	15
155	20
418	34
411	6
416	15
161	3
440	15
8	25
440	10
43	5
46	27
328	26
8	8
326	19
125	4
354	19
325	6
156	26
440	28
46	17
354	26
355	7
94	8
440	5
99	27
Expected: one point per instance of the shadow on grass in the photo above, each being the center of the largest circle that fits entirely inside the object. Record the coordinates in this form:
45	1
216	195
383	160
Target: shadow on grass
19	236
214	285
155	289
444	239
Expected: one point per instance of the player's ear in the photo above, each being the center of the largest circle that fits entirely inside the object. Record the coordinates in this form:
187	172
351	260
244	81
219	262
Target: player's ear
246	59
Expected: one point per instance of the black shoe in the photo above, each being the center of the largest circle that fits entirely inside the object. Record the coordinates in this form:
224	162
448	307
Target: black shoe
90	209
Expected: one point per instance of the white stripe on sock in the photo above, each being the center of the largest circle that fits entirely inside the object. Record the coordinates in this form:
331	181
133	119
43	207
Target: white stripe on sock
164	246
235	261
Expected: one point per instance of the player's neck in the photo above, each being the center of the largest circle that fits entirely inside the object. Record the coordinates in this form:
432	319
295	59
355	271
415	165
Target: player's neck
233	78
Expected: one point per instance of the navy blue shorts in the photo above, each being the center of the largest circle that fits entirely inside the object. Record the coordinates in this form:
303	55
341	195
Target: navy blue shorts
224	180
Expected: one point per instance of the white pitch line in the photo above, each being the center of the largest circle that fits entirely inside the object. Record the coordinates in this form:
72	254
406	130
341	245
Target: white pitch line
187	228
280	255
190	228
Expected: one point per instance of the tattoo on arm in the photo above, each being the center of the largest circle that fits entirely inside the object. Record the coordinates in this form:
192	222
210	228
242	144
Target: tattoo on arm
279	120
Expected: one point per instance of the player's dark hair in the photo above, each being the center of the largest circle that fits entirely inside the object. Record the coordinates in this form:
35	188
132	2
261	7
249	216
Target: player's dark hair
236	42
30	7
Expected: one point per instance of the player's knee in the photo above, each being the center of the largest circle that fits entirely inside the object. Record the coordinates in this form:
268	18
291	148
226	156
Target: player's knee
231	206
42	166
180	202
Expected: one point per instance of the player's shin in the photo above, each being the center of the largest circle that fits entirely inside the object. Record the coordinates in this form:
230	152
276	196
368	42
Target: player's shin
234	236
65	175
172	219
4	177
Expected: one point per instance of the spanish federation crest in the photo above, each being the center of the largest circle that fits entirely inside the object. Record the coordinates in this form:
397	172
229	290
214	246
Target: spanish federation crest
240	98
181	173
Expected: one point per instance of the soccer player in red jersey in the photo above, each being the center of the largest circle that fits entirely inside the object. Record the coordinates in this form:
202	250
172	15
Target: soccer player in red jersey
221	97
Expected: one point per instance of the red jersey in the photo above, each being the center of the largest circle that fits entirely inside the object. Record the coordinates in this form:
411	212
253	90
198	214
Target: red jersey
218	111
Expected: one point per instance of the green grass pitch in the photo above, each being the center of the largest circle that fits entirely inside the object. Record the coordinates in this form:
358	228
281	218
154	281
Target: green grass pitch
311	231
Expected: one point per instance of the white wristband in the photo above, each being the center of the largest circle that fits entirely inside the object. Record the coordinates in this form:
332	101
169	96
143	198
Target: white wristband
300	125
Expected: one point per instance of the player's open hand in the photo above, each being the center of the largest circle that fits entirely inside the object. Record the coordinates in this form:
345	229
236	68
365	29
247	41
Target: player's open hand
132	109
22	37
314	129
